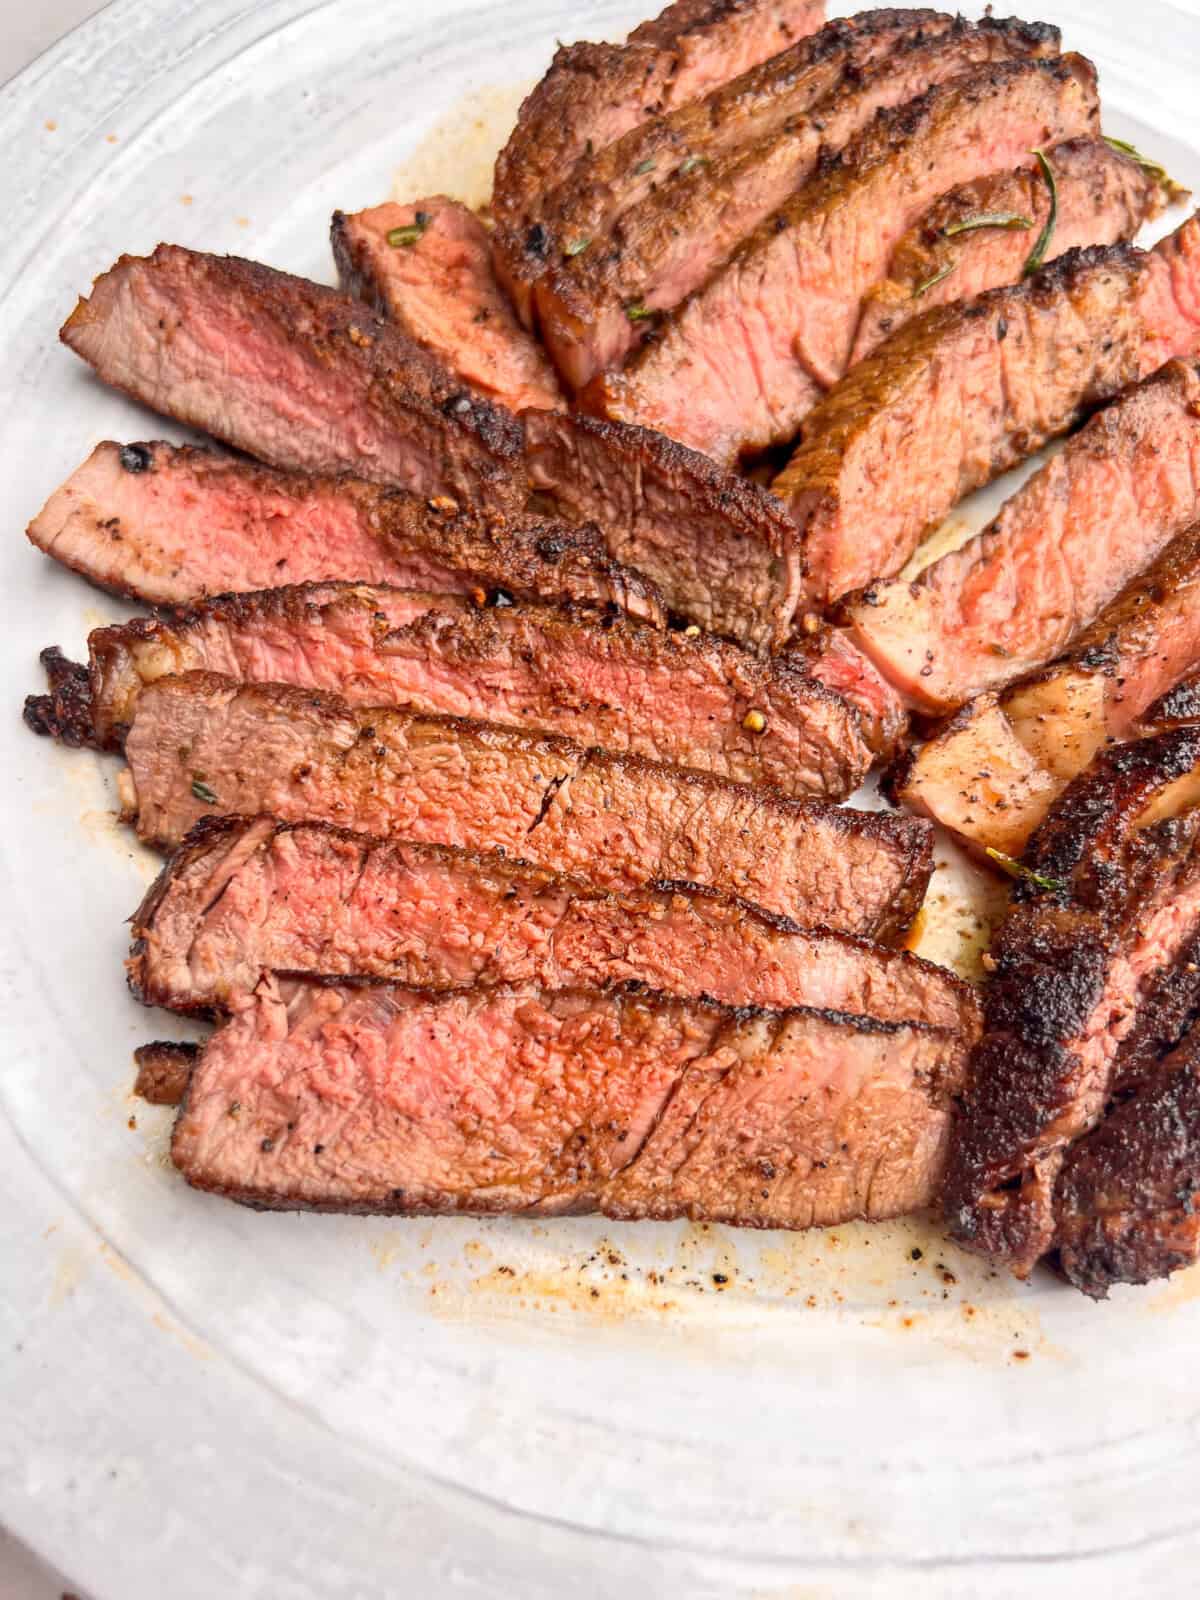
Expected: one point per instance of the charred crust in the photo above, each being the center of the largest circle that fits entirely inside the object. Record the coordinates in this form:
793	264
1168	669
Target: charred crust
65	713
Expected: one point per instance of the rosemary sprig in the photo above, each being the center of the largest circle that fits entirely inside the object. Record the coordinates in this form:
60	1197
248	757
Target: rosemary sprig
690	163
637	311
1038	254
929	283
644	166
1175	191
404	238
576	247
1015	869
987	219
202	792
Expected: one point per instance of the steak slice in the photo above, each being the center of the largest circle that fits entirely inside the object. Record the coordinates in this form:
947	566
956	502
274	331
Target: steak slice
594	304
1115	900
500	1100
1064	546
294	373
1060	718
741	362
170	525
593	93
428	268
691	702
201	745
241	899
965	392
1179	706
954	253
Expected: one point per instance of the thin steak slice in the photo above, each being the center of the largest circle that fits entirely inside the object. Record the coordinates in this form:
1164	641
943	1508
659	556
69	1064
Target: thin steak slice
295	374
965	392
1053	723
594	304
636	1106
241	899
981	234
741	362
692	702
170	525
1063	547
428	268
593	93
201	745
1115	900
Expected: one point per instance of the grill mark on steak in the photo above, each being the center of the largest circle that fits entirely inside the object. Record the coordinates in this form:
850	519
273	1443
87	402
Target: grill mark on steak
618	822
294	373
552	1104
739	364
668	244
693	702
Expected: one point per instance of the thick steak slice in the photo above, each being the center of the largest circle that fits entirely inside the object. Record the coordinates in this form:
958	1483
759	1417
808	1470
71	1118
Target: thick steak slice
202	745
965	392
1064	546
1072	964
241	899
980	235
691	702
741	362
428	267
393	1100
170	525
294	373
594	305
1060	718
593	93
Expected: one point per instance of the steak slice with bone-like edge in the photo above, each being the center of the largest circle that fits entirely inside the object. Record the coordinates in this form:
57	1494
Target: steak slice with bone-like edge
692	702
981	234
741	362
594	304
1015	597
994	772
593	93
241	899
295	374
1114	900
171	525
636	1106
201	745
964	392
428	268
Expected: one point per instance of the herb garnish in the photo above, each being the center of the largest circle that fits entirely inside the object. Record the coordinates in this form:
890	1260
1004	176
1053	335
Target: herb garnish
691	163
1015	869
644	166
403	238
929	283
637	311
1038	254
202	792
576	247
1157	171
987	219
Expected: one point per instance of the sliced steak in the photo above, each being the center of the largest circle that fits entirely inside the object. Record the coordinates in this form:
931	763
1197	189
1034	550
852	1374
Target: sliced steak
170	525
1179	706
740	363
393	1100
202	745
593	305
241	899
294	373
428	268
593	93
982	233
1115	900
1064	546
691	702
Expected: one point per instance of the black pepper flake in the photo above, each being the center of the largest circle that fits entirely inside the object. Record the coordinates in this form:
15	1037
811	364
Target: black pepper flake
267	1144
136	458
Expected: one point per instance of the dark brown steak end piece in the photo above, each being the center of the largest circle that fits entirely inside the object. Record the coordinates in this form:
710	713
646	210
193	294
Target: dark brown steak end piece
65	713
295	374
636	1106
203	746
163	1071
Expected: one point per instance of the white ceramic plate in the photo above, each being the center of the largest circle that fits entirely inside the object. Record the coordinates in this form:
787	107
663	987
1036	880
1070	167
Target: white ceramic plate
196	1401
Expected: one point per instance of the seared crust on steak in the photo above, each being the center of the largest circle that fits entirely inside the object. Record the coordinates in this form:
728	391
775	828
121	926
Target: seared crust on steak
164	1069
65	713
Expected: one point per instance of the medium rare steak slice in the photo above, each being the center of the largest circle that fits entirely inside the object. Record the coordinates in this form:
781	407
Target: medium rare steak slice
1060	718
391	1100
170	525
295	374
967	391
1064	546
691	702
982	233
428	267
202	745
741	362
241	899
593	93
593	305
1114	899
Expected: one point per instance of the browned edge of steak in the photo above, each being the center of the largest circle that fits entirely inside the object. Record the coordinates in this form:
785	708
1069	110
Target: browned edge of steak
65	713
163	1071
